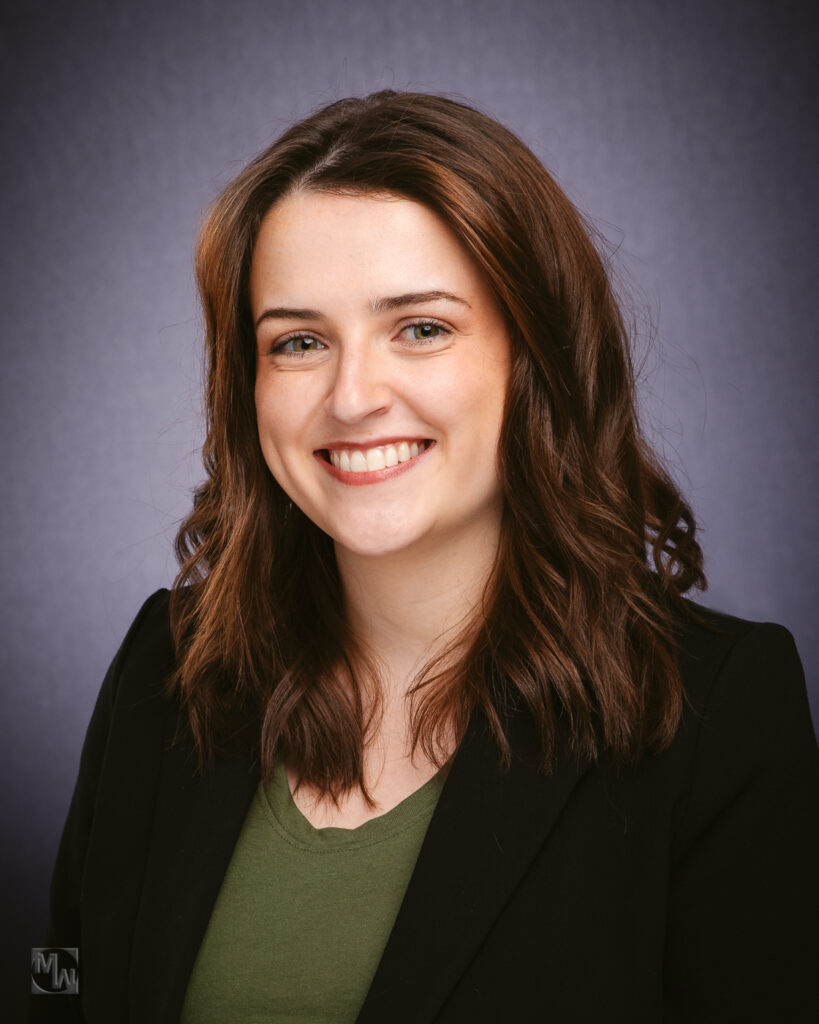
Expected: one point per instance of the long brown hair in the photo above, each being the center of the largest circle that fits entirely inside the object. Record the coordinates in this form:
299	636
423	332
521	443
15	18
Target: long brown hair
597	545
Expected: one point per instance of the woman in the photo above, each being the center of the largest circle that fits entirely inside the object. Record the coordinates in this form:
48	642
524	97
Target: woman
425	730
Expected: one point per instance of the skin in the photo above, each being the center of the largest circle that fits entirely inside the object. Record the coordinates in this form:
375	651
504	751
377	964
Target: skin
336	367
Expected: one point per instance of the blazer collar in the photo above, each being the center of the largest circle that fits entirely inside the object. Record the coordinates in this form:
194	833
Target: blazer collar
486	829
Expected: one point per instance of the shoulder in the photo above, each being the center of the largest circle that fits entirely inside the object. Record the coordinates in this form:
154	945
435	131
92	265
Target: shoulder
720	654
744	843
747	721
146	657
150	632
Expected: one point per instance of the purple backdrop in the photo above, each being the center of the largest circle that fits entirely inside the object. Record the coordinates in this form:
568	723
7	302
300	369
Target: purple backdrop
687	130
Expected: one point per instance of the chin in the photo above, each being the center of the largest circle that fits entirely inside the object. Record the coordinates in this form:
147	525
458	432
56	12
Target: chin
371	542
365	547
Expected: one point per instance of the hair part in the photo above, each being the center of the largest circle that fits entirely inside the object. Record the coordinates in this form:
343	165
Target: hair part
597	544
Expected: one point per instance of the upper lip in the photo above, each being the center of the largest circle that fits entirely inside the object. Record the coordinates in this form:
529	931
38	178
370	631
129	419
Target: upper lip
375	442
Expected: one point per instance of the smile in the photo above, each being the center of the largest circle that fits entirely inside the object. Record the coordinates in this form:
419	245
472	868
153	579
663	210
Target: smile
371	465
368	460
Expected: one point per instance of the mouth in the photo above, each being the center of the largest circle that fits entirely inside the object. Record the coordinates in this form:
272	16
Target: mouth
370	465
370	460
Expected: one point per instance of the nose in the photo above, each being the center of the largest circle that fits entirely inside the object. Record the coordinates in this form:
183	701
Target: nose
359	387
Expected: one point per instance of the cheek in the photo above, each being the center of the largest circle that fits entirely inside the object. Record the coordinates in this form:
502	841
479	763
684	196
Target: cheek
279	414
472	402
273	420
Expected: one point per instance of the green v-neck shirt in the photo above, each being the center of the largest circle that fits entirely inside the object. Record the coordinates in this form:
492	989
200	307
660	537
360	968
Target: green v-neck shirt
303	914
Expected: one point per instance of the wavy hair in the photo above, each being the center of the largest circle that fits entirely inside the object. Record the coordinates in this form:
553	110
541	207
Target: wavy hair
596	547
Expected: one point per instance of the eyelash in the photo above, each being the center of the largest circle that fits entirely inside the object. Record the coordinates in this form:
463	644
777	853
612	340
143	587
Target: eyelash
279	348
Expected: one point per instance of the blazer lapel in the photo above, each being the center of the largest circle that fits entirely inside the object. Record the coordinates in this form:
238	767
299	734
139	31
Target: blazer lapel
197	821
487	828
485	831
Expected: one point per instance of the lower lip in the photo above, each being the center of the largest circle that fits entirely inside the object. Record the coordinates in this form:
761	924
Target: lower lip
375	476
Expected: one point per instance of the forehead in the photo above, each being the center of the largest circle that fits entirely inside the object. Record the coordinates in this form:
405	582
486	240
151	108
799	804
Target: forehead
365	243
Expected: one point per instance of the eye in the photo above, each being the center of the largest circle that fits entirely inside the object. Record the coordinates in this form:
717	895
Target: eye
298	345
425	330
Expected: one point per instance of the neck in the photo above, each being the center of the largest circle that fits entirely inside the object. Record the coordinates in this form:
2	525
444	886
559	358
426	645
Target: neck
407	606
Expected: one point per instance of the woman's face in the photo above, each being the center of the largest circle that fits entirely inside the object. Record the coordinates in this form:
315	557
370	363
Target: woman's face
382	368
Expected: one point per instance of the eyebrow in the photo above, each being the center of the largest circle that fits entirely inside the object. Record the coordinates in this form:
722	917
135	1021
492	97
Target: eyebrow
381	305
414	299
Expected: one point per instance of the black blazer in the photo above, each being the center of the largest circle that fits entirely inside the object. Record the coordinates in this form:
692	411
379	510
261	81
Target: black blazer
681	890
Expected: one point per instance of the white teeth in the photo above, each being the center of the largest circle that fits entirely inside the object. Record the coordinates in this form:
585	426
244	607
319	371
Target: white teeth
372	459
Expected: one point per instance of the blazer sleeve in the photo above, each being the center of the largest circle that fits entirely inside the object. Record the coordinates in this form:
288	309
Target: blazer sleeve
65	928
742	942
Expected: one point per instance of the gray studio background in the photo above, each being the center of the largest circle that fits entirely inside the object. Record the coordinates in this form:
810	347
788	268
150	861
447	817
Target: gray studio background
687	130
